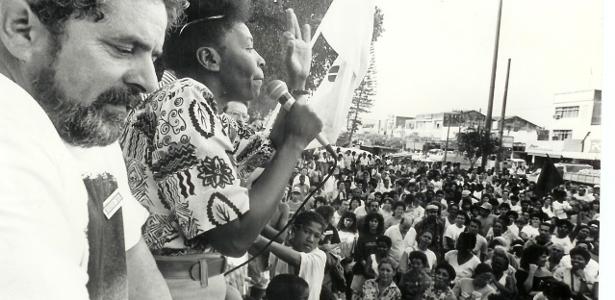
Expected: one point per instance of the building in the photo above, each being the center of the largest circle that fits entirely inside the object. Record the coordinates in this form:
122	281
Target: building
517	129
396	126
575	130
436	126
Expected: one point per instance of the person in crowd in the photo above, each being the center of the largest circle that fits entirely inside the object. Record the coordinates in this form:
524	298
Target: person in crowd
453	231
302	185
295	200
544	236
592	268
330	238
347	230
423	241
503	277
433	222
287	286
531	230
305	179
366	245
402	236
532	272
451	213
398	208
562	234
343	206
413	285
554	290
560	206
581	282
499	229
416	260
462	259
382	287
321	201
440	289
301	254
556	253
237	110
355	203
481	246
59	144
547	207
340	193
413	205
485	217
477	287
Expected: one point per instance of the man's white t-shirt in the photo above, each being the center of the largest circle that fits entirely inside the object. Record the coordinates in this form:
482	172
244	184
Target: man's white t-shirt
96	161
453	232
312	270
465	270
398	242
565	242
43	211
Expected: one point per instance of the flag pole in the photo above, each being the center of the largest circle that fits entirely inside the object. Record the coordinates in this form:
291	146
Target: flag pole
503	117
492	86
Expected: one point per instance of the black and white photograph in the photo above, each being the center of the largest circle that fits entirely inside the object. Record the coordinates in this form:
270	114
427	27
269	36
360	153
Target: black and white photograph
306	149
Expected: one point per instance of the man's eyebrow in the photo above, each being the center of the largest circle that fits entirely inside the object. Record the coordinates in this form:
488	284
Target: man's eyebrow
137	43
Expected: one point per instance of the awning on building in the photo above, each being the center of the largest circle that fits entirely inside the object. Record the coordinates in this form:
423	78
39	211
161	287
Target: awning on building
566	154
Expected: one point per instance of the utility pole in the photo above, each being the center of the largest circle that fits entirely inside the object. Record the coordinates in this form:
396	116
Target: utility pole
448	131
502	118
492	86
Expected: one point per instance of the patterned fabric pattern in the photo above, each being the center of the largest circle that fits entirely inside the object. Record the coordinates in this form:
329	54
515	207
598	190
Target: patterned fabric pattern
436	294
371	291
186	163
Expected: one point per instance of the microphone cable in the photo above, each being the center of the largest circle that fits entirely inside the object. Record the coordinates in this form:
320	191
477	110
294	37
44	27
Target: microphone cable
290	221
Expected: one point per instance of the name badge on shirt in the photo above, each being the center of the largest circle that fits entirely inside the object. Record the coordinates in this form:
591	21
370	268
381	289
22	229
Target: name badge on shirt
112	203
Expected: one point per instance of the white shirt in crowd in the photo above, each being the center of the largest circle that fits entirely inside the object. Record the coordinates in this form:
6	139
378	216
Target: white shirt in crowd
565	242
465	270
399	241
312	270
453	232
432	259
591	269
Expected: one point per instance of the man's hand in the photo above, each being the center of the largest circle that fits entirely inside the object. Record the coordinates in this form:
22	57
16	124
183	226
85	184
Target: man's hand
298	52
533	268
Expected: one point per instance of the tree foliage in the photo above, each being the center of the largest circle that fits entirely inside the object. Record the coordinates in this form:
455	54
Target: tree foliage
267	25
363	98
474	143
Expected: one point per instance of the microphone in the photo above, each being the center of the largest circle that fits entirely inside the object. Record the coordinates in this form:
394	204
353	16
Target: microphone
277	90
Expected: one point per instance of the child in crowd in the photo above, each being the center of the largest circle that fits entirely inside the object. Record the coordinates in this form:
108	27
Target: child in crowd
301	254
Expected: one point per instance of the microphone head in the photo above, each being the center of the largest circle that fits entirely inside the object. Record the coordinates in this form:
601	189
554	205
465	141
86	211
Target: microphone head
275	89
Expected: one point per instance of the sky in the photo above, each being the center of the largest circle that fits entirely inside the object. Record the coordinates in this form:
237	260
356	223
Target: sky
436	55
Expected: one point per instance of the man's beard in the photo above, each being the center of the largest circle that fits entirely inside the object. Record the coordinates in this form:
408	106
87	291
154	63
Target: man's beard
78	124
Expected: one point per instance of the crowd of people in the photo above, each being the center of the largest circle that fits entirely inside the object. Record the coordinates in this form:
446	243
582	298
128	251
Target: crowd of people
413	230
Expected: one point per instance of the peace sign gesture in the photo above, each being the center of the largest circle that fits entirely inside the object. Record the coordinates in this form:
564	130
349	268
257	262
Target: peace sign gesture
297	50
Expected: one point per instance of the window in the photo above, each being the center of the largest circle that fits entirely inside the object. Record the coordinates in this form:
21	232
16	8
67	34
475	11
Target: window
560	135
566	112
543	135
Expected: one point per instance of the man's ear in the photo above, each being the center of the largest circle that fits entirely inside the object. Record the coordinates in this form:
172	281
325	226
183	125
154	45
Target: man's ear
20	29
209	58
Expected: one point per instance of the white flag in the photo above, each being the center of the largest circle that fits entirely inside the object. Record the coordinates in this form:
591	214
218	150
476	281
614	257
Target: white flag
347	27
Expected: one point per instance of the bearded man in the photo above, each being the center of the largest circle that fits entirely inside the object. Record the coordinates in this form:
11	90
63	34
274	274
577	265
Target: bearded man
70	71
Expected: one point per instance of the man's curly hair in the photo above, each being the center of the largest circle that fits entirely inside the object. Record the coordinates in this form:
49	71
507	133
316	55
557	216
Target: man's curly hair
54	13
